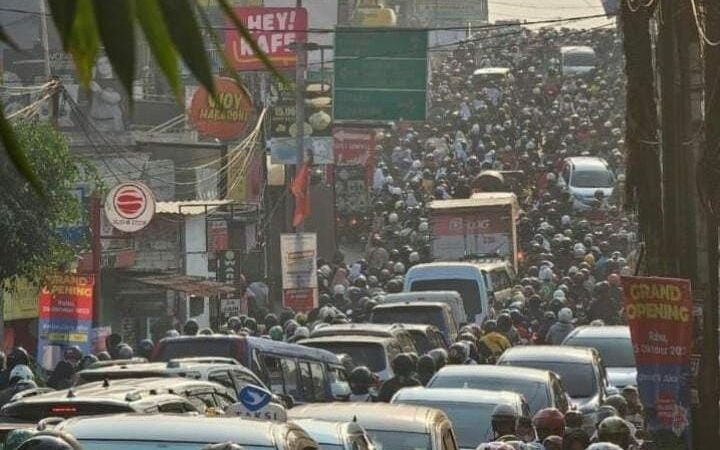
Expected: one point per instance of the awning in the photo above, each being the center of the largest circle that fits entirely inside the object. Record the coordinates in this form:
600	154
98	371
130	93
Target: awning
190	207
184	283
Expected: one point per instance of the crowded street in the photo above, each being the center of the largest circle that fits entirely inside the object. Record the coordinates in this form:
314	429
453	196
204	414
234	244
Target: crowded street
399	229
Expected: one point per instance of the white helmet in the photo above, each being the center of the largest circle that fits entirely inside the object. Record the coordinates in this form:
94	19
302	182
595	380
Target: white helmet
546	274
414	257
399	268
339	289
423	227
565	221
559	294
22	373
393	218
565	315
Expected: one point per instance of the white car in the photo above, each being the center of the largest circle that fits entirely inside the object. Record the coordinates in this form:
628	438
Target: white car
583	176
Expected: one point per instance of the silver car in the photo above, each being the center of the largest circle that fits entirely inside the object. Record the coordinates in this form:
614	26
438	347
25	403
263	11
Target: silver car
615	347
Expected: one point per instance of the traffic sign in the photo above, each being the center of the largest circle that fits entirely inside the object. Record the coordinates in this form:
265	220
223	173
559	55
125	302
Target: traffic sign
130	206
380	74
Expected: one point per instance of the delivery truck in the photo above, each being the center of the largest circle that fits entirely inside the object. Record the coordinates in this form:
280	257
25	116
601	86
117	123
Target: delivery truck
481	226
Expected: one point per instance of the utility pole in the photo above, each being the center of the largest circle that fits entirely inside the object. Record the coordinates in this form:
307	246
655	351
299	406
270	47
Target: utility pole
300	105
44	41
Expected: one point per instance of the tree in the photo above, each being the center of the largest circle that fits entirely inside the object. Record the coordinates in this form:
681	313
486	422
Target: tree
30	245
171	28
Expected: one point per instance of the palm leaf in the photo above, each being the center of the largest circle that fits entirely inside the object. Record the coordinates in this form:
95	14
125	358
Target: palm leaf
151	21
117	31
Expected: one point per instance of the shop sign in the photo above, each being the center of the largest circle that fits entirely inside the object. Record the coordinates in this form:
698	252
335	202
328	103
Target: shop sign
223	116
274	30
660	316
130	206
65	316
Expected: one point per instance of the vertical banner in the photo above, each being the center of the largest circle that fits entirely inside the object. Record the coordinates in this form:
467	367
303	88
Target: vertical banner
299	271
659	312
65	316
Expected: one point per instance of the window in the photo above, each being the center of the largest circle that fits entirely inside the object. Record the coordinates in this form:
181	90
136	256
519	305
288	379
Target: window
559	396
274	373
205	397
289	369
318	380
242	379
221	377
307	382
177	408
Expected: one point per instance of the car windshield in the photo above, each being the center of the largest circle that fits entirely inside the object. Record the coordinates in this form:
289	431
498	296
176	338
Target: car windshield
398	440
615	352
578	379
420	315
471	421
88	444
363	353
468	290
195	347
535	393
592	179
579	59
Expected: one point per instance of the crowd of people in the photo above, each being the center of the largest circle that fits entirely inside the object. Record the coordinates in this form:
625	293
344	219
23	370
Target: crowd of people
524	125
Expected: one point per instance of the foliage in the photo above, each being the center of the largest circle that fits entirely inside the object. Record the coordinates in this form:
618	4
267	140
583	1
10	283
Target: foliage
30	246
171	29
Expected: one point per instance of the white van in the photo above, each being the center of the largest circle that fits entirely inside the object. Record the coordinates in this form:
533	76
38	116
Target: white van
451	298
577	60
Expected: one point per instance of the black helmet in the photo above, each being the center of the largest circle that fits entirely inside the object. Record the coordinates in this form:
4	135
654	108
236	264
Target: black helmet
489	326
72	354
618	402
234	323
270	321
191	328
614	430
145	348
458	353
440	356
361	378
504	322
50	441
251	324
18	356
403	365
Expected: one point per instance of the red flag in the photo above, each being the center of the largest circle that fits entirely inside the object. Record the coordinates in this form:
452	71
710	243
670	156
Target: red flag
300	188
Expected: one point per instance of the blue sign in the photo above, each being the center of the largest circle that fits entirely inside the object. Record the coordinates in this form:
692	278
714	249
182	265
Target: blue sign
254	398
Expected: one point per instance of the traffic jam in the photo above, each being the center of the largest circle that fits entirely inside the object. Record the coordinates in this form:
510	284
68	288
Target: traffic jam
488	300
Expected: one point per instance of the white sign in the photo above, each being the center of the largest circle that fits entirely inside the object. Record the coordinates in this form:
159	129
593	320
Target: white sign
130	206
299	260
256	403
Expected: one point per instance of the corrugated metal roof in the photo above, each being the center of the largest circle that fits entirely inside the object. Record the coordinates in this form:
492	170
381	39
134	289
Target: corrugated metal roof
185	283
189	207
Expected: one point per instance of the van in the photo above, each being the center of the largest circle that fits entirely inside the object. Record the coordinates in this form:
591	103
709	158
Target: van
484	75
437	314
452	298
305	374
472	280
375	353
577	60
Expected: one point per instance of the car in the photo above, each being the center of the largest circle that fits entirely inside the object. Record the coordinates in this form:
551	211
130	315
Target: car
540	388
374	352
437	314
452	298
580	369
469	410
336	435
425	337
298	373
396	427
583	176
183	432
615	347
124	396
233	376
577	60
369	329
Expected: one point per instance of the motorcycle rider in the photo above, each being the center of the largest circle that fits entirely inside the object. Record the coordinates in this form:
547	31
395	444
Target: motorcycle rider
404	369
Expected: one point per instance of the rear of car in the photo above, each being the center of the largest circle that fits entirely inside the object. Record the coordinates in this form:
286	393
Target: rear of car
421	313
584	176
391	330
577	60
374	352
615	348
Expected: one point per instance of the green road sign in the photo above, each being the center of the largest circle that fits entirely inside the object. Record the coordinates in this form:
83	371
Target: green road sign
380	74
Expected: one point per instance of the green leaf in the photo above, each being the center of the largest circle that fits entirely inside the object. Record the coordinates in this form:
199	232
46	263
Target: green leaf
151	21
17	155
218	45
245	33
185	33
6	39
117	32
63	14
83	41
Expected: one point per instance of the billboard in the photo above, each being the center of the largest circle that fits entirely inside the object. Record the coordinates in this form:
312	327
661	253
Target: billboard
65	316
660	315
274	30
299	270
225	116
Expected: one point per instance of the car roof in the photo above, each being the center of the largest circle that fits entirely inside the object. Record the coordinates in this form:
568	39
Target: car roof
173	427
122	390
458	395
609	331
166	368
375	329
410	304
350	338
548	353
267	345
419	327
415	294
373	416
327	432
587	162
492	371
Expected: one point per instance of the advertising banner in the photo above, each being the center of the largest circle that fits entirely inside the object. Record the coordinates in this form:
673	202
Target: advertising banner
351	192
659	312
65	316
274	30
353	146
299	270
457	233
225	116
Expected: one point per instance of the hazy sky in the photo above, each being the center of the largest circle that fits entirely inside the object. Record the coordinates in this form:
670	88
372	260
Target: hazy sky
533	10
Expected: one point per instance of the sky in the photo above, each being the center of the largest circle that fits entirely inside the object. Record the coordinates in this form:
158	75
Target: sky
534	10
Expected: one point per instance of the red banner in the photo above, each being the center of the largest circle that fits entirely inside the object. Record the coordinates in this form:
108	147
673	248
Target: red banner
353	146
459	223
274	30
300	300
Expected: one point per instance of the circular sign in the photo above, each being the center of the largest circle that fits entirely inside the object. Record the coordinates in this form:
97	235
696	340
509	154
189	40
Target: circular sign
224	116
130	206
